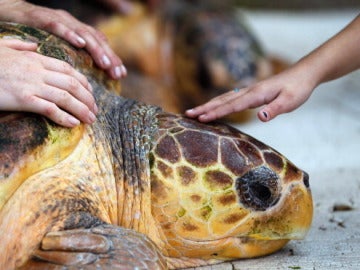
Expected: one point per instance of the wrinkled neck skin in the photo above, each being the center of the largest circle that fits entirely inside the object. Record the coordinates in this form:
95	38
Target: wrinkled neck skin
129	128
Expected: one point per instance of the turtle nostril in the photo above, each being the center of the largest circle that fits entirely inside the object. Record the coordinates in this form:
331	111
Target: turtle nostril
258	189
261	192
306	180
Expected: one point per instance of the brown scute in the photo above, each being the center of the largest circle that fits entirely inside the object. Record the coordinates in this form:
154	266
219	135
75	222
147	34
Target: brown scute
199	149
227	199
233	218
292	173
274	160
167	226
189	227
250	151
168	150
232	158
257	143
27	133
218	180
186	174
158	189
165	170
195	198
205	212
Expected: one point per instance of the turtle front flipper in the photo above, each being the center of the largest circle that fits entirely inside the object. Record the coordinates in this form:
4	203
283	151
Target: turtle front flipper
101	247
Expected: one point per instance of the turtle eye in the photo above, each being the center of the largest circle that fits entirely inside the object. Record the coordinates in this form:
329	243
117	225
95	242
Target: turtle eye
258	189
306	180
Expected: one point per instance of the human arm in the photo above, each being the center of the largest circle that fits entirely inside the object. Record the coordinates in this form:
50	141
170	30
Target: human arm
64	25
291	88
36	83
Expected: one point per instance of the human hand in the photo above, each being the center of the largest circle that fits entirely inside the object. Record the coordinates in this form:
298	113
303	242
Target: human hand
64	25
280	94
40	84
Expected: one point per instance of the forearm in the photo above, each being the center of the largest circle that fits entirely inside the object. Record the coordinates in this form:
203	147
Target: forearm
338	56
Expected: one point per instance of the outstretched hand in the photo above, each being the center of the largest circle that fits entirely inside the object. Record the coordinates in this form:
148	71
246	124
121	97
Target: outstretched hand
280	94
64	25
40	84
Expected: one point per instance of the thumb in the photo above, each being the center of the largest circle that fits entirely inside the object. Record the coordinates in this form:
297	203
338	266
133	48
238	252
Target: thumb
277	106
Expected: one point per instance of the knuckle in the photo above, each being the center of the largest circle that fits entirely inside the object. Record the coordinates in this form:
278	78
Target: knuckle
50	110
73	84
66	68
100	35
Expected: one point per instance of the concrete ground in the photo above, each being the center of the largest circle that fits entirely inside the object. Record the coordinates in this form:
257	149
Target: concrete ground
323	138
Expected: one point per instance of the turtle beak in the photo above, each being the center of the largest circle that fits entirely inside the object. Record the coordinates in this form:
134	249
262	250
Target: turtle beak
291	218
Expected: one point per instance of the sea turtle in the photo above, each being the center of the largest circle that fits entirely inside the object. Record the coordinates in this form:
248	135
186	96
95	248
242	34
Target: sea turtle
140	188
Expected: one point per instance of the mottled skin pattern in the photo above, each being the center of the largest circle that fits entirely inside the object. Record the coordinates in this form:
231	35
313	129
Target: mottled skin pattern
140	188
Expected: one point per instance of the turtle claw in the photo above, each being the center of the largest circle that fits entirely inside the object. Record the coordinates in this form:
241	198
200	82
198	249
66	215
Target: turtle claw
102	247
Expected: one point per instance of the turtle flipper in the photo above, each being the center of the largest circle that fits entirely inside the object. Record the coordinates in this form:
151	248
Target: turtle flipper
102	247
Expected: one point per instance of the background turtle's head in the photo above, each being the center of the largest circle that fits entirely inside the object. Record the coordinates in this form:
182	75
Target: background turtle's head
220	194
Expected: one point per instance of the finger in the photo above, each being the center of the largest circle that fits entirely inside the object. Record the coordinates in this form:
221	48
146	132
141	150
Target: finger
67	102
72	86
101	52
117	70
56	65
51	111
17	44
278	106
94	48
212	104
236	102
66	33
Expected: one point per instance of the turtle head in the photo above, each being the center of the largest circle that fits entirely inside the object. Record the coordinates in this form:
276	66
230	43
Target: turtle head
220	194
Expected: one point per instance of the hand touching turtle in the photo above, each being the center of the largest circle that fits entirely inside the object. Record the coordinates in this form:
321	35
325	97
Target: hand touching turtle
31	82
64	25
288	90
36	83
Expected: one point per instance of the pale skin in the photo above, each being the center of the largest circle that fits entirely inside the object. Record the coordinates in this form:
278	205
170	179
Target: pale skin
289	89
35	83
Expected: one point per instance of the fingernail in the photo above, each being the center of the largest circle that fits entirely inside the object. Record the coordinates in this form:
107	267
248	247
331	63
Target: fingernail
73	121
203	117
106	61
123	70
265	114
81	41
117	72
96	109
190	111
92	117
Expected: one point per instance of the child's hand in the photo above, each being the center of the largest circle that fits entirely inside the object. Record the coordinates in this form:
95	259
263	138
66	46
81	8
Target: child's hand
280	94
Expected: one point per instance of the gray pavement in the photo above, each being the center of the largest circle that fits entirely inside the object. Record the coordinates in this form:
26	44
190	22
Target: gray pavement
323	138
